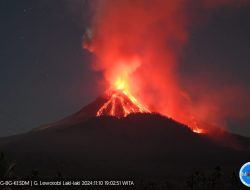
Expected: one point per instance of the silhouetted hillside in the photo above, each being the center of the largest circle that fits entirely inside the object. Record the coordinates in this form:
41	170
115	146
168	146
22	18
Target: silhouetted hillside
140	145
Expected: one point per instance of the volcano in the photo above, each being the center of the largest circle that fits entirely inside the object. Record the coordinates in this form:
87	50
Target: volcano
120	104
113	102
141	145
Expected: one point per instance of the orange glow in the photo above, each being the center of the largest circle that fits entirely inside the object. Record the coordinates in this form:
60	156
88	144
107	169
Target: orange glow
200	131
121	85
120	102
138	46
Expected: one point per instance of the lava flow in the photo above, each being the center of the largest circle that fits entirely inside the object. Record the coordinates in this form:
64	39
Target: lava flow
120	102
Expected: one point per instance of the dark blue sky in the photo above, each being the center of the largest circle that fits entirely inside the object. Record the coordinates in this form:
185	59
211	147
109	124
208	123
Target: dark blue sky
45	75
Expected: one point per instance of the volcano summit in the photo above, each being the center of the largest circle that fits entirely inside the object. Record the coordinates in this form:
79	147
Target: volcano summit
139	146
120	104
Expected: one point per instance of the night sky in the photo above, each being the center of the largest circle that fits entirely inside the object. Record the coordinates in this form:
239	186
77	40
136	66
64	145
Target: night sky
45	74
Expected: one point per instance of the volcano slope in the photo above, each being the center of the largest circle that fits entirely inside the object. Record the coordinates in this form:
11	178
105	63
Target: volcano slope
139	146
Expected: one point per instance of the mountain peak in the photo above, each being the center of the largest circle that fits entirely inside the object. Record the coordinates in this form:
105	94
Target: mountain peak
120	104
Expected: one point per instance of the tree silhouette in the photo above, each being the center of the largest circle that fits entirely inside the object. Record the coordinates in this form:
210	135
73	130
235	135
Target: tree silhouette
191	182
216	177
234	179
6	167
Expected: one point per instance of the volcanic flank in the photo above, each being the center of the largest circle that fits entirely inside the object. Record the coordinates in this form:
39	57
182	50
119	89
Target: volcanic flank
118	137
139	145
120	104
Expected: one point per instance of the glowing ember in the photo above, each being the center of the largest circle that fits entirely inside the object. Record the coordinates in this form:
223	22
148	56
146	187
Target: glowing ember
120	102
194	126
198	130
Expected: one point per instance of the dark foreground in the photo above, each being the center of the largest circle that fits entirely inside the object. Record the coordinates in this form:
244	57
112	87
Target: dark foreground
153	151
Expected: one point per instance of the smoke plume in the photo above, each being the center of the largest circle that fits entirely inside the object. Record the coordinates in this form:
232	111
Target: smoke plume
141	41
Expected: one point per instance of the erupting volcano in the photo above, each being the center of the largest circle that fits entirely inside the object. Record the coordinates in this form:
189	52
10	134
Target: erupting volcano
137	48
120	102
139	67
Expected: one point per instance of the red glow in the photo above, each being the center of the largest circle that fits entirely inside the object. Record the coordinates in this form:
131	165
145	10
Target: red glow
120	102
138	44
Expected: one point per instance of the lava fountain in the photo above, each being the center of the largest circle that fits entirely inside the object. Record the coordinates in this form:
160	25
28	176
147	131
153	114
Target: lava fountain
138	45
120	102
137	54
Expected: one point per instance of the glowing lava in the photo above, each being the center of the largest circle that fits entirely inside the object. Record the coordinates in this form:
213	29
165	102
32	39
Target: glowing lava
120	102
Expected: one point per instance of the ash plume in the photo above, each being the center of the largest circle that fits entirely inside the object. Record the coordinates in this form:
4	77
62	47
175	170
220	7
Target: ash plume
142	42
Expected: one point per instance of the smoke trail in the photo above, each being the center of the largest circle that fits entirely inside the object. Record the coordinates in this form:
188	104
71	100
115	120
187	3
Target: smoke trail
141	41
